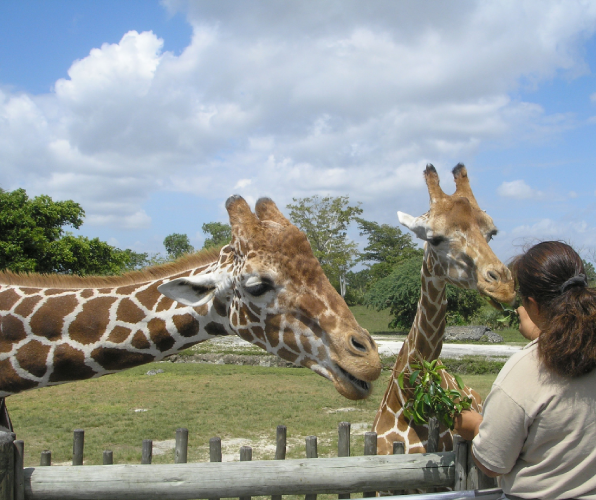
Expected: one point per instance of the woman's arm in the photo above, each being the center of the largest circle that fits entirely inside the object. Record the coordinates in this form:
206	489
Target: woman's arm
466	425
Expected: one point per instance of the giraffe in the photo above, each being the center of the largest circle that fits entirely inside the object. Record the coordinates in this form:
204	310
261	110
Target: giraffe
265	286
456	251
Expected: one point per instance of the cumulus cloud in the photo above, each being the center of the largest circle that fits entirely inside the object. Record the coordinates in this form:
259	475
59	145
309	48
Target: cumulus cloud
518	190
291	99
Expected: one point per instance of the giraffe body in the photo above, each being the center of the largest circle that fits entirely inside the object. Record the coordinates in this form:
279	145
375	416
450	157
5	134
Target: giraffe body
266	286
456	232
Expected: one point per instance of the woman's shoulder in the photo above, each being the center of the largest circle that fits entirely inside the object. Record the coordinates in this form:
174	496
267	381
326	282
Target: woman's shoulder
523	363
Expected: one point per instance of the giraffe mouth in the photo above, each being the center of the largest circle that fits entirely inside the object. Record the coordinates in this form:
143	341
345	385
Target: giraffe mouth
360	385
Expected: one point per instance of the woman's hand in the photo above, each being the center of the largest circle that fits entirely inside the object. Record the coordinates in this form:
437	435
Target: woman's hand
466	424
526	326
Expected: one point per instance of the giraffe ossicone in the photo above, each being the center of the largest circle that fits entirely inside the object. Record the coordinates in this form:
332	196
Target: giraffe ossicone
456	251
265	286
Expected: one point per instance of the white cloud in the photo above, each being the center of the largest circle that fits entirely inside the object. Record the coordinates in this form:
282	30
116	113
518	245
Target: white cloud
286	100
518	190
593	97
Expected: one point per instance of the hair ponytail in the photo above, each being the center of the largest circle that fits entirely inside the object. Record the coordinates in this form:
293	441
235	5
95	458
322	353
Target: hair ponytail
552	273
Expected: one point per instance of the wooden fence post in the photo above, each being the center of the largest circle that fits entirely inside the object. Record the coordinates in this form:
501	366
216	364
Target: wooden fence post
280	448
78	445
215	452
181	454
343	446
311	452
399	448
460	447
108	457
432	446
370	448
19	473
147	451
476	478
46	458
245	456
7	472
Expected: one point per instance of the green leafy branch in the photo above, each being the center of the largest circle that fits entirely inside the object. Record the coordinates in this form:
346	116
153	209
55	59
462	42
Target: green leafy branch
429	398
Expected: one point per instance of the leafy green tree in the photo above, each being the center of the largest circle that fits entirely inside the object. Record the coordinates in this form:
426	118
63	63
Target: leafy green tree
590	273
86	256
220	234
325	221
400	292
387	247
29	229
177	245
33	238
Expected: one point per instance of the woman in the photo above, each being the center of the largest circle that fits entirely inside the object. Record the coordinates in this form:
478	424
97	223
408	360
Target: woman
538	429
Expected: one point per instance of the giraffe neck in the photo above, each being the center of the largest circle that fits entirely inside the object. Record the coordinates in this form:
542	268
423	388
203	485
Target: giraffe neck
426	335
53	335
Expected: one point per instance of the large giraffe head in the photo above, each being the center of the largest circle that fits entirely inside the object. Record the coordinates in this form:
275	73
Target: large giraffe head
274	293
457	233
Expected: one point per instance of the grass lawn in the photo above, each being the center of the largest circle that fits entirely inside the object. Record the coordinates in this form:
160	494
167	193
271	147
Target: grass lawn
374	321
241	404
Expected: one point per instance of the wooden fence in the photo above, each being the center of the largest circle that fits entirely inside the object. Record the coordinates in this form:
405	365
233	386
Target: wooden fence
215	479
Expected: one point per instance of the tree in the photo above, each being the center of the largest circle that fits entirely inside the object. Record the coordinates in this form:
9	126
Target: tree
177	245
33	238
400	292
221	234
28	228
590	273
387	247
325	222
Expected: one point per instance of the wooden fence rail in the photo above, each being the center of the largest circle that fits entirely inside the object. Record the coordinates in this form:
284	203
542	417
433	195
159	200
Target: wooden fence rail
342	475
240	479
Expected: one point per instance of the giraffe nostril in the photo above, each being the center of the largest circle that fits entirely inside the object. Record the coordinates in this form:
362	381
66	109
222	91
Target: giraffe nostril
357	345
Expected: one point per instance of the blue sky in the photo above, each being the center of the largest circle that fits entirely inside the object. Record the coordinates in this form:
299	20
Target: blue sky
150	114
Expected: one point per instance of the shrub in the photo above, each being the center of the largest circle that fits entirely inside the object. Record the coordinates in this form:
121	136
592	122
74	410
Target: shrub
400	292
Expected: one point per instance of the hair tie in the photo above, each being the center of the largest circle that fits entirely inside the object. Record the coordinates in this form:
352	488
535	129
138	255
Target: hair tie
579	280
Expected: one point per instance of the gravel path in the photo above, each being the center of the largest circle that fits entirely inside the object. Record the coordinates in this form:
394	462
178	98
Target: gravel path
392	347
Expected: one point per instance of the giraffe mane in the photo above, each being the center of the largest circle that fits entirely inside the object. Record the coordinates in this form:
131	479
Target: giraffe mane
190	261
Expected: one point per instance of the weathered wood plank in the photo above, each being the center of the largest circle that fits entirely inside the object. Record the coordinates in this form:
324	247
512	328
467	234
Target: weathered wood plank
7	465
370	448
19	460
78	447
235	479
181	452
343	447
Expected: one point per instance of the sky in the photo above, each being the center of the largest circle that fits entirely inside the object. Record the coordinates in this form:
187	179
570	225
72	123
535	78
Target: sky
150	114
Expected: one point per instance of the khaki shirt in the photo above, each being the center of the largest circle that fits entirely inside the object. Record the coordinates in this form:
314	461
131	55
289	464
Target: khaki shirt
539	431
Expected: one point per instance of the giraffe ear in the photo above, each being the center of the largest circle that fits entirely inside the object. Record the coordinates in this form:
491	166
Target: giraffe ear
193	291
267	210
415	224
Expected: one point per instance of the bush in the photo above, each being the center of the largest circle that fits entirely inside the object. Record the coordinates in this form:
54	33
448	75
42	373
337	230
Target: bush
400	292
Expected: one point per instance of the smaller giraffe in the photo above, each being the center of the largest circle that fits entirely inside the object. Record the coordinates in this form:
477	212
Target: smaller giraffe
265	286
456	251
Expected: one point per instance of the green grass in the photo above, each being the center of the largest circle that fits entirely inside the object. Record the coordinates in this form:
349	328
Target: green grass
241	404
512	336
376	322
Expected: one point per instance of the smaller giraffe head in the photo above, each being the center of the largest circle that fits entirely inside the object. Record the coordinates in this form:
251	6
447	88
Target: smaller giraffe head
274	294
457	233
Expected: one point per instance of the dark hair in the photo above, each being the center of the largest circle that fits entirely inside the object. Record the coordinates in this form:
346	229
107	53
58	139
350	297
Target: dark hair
553	274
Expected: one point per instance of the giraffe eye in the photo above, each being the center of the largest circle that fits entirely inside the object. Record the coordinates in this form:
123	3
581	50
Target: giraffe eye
491	235
258	288
436	240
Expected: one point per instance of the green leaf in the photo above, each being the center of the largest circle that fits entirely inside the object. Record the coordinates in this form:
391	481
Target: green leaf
400	381
414	376
460	382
